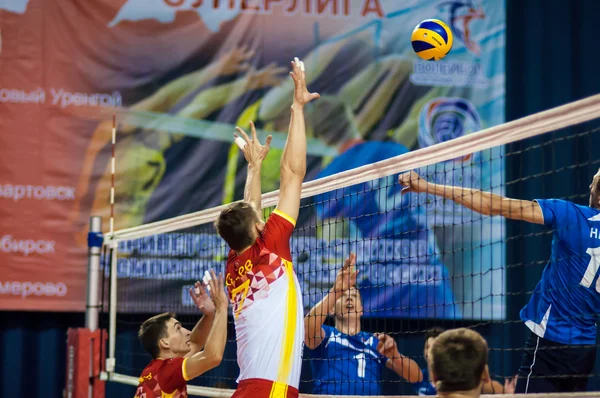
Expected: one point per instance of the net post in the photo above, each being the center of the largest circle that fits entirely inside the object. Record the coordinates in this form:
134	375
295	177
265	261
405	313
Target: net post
112	325
95	241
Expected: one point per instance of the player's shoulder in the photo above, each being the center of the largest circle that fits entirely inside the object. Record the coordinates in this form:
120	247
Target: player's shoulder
278	216
561	207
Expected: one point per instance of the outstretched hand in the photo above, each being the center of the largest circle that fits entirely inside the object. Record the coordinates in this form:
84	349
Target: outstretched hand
217	291
412	182
253	150
387	346
301	94
346	277
201	299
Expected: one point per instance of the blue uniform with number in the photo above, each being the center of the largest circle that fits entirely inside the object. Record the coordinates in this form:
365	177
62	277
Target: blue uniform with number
565	302
561	313
347	365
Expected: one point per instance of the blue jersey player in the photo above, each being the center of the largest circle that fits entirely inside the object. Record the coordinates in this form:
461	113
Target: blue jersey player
561	314
346	360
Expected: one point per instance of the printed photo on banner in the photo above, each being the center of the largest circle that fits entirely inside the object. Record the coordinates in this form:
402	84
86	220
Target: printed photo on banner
180	75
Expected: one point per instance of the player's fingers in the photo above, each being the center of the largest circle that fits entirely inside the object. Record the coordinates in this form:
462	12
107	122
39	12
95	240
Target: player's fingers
389	343
253	131
352	258
243	134
268	142
314	96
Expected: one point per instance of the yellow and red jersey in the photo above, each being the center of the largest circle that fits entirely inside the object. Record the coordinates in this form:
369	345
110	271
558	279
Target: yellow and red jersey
163	378
267	307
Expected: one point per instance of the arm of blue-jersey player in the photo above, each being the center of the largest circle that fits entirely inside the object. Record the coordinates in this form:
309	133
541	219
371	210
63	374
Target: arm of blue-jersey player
482	202
403	366
314	320
254	153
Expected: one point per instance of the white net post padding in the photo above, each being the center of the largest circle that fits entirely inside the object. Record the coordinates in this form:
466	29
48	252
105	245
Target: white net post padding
560	117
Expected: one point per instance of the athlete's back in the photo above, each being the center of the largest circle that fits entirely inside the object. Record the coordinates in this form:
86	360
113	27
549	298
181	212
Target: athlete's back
267	306
565	302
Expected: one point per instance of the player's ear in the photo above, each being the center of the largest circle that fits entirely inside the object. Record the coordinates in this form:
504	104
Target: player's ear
163	344
260	226
485	376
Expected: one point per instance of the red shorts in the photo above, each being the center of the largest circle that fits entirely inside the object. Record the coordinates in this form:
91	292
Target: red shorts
261	388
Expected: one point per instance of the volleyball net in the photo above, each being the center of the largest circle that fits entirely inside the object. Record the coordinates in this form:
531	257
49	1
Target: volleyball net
423	260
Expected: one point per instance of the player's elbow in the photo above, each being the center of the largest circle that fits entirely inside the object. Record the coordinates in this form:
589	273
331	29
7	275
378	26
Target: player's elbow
213	360
292	171
415	377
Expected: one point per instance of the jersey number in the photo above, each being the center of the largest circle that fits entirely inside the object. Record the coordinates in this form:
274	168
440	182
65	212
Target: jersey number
592	269
362	364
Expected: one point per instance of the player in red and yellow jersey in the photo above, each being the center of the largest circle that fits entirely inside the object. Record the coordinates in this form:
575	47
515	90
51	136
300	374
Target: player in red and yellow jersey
180	355
264	289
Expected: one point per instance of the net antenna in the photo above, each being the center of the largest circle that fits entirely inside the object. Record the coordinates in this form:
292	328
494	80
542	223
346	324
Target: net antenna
557	118
112	245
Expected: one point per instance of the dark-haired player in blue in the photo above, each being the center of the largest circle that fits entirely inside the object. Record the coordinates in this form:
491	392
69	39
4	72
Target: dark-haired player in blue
346	360
561	314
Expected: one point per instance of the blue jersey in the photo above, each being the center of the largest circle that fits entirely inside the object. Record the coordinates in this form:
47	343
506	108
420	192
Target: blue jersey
347	365
565	302
378	210
424	387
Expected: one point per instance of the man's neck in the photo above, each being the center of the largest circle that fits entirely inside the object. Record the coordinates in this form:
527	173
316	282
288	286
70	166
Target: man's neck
166	355
348	326
475	393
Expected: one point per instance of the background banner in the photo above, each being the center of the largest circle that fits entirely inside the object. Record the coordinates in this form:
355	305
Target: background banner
180	74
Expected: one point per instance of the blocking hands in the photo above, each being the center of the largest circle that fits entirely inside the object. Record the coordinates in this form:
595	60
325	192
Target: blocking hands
387	346
253	150
301	94
217	301
346	277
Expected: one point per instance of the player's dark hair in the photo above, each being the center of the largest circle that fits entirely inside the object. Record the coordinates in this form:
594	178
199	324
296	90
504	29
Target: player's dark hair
457	360
234	223
433	332
152	330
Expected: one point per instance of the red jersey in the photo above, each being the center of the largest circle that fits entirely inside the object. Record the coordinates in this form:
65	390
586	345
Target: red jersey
163	378
267	307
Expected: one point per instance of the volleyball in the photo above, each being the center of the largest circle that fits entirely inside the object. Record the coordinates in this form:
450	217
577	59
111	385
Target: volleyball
432	39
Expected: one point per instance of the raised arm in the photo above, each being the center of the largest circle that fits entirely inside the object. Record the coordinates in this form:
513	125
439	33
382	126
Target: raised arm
212	355
482	202
313	321
254	153
200	332
293	160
